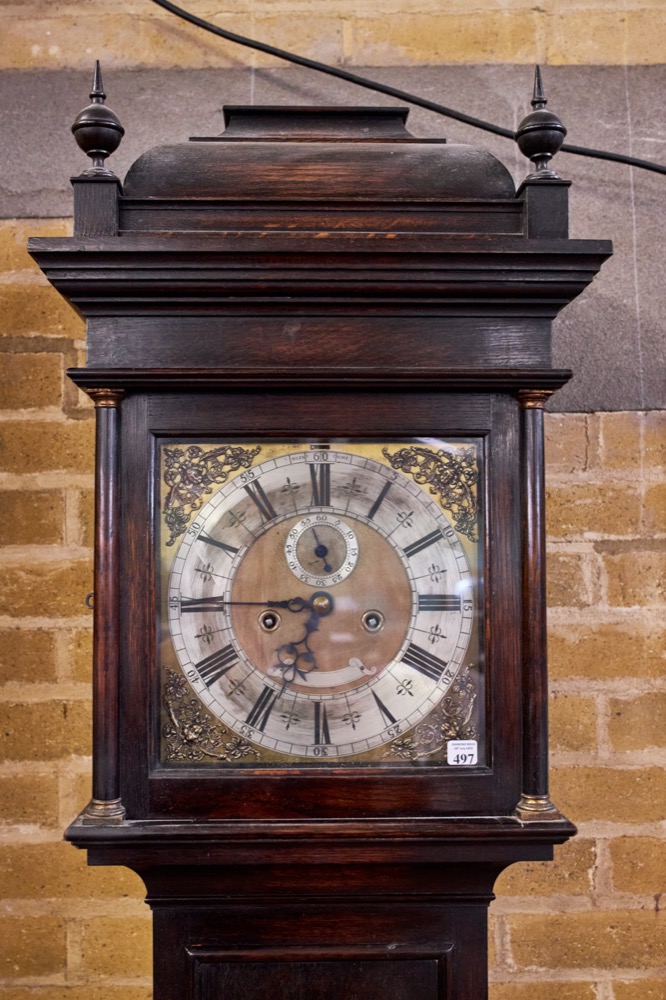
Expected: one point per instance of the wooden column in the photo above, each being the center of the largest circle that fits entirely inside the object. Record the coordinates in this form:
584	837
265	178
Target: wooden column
105	806
535	803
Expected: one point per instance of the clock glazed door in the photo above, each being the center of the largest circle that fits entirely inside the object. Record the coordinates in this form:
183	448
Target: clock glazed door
317	605
320	601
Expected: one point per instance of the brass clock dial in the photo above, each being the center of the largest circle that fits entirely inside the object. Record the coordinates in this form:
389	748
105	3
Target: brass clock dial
321	604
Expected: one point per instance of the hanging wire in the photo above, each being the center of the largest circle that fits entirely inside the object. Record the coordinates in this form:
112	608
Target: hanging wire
400	95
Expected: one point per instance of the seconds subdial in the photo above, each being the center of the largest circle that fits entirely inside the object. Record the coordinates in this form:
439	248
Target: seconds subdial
321	550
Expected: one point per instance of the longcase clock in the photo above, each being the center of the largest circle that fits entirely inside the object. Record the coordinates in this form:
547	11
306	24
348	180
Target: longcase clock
319	350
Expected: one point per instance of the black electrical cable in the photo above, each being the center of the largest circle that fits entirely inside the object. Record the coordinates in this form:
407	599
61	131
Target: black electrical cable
401	95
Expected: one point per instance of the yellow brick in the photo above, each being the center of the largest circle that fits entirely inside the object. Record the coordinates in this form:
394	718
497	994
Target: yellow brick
29	798
581	37
566	442
111	943
415	38
86	500
59	871
31	309
31	946
319	37
145	40
30	380
614	940
36	446
639	865
646	37
620	441
636	577
654	439
654	512
580	509
31	517
568	580
572	722
638	723
44	730
78	654
606	651
542	991
52	590
27	655
569	873
14	234
632	795
642	989
76	993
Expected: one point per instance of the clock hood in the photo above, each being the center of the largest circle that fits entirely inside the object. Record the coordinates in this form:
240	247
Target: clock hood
351	154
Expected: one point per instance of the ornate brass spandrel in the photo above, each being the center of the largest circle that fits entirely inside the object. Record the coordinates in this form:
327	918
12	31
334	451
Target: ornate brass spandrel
190	734
452	476
455	718
191	472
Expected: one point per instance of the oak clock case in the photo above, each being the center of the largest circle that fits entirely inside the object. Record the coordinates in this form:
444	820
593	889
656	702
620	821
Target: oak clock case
319	603
320	679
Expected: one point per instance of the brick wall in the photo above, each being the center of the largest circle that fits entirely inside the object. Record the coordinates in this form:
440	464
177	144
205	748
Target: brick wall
583	928
587	926
45	34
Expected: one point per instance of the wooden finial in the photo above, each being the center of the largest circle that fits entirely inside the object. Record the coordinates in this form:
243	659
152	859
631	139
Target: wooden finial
97	129
540	134
539	96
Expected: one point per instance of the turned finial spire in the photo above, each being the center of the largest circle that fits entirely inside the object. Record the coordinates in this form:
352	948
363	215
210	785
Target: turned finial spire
540	134
97	129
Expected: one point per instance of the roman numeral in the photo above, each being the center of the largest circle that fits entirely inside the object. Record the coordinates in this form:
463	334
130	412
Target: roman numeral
379	501
439	602
321	733
218	544
426	664
190	604
262	708
422	543
320	476
386	715
256	493
212	667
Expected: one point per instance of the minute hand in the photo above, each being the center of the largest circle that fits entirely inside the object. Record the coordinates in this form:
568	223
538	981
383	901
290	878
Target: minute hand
189	604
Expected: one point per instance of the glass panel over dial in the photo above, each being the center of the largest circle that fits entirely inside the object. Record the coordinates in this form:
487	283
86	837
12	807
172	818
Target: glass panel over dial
320	603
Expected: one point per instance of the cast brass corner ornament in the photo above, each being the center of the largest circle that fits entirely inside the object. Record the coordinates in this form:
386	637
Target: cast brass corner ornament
191	472
191	735
452	720
451	477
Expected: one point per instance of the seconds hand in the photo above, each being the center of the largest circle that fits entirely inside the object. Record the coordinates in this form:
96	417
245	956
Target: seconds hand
321	552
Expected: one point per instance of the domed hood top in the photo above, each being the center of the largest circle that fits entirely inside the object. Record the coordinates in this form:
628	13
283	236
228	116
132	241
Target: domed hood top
282	154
